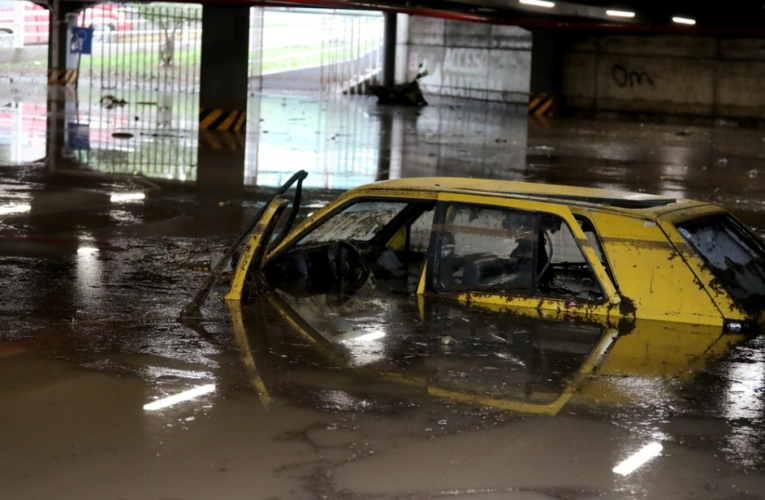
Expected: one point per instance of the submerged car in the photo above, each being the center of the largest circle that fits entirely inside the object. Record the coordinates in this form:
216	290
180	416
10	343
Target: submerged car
514	246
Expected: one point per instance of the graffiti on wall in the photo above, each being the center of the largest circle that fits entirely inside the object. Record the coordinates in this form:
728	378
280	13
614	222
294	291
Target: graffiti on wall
624	77
466	68
461	68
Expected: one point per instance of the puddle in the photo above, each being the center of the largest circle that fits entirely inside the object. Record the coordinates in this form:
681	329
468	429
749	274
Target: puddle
302	409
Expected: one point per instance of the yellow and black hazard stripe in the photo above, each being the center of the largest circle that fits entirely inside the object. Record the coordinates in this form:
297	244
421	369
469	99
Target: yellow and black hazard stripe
539	122
222	120
62	76
222	140
543	104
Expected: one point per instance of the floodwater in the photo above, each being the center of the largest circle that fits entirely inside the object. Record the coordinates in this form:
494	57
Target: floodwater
103	244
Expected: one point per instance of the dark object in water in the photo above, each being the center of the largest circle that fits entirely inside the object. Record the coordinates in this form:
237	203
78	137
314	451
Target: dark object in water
109	101
405	94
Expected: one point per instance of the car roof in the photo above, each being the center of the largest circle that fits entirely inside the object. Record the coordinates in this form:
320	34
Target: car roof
610	199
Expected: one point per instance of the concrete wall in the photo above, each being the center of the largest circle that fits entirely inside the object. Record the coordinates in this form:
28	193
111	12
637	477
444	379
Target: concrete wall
469	60
316	78
676	75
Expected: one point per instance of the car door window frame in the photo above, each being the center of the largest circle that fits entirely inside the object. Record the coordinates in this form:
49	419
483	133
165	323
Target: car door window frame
321	217
599	273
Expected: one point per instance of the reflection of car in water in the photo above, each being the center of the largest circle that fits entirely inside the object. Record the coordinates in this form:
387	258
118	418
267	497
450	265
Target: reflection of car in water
528	363
517	246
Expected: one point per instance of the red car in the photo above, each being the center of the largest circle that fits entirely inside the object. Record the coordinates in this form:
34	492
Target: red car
108	20
33	20
22	17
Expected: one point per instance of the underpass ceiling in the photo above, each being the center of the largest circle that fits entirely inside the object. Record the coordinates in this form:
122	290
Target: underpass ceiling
733	17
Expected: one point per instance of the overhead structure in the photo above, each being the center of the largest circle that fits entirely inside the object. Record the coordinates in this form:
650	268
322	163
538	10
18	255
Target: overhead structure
744	18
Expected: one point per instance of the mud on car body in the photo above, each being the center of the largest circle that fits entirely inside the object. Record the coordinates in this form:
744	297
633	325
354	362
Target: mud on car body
515	246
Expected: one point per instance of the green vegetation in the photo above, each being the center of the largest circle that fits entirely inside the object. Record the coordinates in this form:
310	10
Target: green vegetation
138	61
122	57
300	56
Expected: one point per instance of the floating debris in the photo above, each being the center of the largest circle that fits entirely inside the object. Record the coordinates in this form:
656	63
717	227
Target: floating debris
109	101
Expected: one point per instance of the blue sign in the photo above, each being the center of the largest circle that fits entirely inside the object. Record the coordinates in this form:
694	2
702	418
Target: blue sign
82	41
79	136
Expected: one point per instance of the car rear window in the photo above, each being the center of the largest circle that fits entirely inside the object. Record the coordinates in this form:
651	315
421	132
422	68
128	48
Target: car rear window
735	256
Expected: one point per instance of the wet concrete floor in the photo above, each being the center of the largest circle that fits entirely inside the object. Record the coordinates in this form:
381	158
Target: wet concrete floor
95	269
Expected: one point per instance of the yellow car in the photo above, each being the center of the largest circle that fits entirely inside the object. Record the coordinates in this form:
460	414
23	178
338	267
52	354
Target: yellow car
514	246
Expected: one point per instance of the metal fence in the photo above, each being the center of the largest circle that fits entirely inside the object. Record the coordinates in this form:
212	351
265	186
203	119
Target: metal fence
143	47
138	131
138	89
336	50
158	46
137	101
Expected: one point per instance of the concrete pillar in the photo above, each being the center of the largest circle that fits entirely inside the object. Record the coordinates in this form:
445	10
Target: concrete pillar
384	148
223	100
62	113
62	79
389	49
62	66
402	48
223	79
546	72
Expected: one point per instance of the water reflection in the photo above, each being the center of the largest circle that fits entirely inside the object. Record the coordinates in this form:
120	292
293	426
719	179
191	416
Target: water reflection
89	277
744	397
345	141
413	395
342	141
510	361
23	123
650	377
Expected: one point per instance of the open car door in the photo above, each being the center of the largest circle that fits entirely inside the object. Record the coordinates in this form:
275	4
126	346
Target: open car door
258	236
250	263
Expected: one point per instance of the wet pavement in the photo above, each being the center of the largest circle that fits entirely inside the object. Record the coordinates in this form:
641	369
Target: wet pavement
99	254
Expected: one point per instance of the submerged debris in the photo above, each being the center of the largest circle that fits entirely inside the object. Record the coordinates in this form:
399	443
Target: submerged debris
403	94
448	340
109	101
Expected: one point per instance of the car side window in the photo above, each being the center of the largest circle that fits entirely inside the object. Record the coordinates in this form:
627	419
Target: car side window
485	248
565	272
510	251
592	238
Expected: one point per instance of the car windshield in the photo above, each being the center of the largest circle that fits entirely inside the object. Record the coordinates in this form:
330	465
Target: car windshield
358	222
734	255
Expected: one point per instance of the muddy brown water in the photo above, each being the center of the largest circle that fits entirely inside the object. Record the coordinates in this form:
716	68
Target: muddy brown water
92	287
